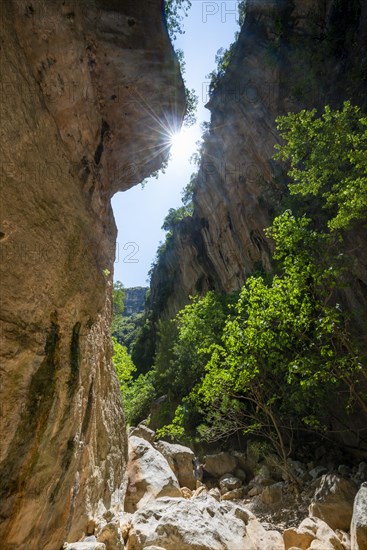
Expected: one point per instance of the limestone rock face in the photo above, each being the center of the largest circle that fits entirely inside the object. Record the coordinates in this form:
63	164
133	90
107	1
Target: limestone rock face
280	64
239	187
78	82
149	475
333	501
358	528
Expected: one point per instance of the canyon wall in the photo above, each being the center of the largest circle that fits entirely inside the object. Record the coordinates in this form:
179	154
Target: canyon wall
84	87
289	55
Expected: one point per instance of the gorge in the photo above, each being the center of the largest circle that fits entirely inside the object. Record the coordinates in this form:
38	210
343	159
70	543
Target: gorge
84	86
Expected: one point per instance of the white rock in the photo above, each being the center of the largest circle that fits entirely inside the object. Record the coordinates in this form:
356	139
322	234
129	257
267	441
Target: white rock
333	501
358	530
181	461
149	475
228	482
199	524
84	546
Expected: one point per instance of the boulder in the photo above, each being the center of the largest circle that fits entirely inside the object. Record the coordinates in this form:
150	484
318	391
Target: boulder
362	472
235	494
111	536
298	469
263	477
144	432
181	461
300	537
228	482
272	494
312	533
333	501
358	530
257	537
241	474
219	464
255	489
84	546
149	475
199	524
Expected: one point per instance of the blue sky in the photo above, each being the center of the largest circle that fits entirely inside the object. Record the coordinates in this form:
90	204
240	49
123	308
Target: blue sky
139	213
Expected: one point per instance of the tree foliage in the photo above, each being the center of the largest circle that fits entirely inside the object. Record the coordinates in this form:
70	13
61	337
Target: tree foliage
328	159
137	393
175	12
270	365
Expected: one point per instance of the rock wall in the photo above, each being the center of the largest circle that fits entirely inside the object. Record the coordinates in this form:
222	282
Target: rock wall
289	55
134	301
81	82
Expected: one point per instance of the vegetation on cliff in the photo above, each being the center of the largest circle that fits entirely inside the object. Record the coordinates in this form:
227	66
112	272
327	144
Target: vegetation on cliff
266	361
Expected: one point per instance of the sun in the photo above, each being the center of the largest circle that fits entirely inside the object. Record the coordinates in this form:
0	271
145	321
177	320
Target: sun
183	144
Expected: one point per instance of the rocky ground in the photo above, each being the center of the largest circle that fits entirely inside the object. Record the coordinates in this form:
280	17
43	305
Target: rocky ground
233	501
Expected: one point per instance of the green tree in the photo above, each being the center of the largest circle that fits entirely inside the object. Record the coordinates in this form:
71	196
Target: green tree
118	297
327	155
137	394
285	351
183	351
175	12
123	365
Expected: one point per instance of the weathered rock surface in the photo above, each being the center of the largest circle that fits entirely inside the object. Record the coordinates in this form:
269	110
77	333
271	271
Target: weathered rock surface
111	536
219	464
258	538
149	475
144	432
229	482
84	546
312	533
333	501
272	494
358	528
76	79
181	460
199	524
